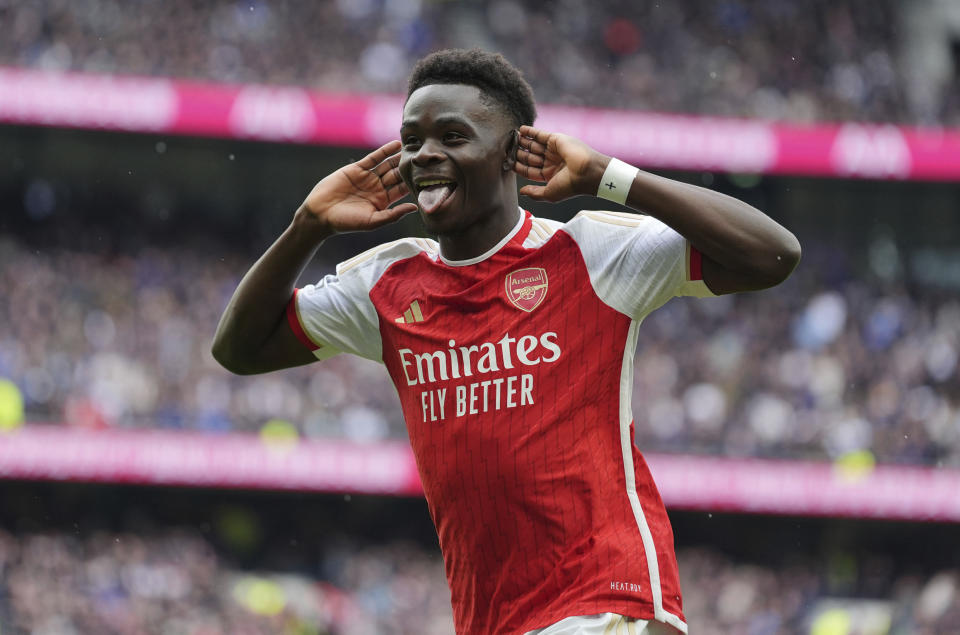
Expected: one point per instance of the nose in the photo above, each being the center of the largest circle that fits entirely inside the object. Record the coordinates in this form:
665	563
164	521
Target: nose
428	152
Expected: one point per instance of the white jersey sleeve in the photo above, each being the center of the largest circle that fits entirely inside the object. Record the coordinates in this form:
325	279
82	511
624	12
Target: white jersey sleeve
336	315
636	262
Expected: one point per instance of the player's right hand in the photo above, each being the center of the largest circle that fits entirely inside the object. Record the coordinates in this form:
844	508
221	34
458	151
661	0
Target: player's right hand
358	196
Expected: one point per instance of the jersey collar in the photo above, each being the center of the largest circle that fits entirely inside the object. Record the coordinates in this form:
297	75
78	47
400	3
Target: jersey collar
503	241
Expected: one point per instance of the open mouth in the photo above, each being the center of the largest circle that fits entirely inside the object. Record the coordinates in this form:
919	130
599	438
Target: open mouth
432	193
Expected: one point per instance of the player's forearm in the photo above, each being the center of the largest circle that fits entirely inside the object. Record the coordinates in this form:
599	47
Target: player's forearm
737	236
258	305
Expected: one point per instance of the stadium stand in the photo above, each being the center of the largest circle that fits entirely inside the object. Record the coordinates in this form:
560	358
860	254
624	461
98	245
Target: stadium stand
105	563
749	58
175	582
107	324
826	371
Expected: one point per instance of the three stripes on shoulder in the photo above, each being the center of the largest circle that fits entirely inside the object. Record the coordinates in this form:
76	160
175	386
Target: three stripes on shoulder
412	314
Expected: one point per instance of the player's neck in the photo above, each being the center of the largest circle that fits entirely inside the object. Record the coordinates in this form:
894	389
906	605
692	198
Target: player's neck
483	235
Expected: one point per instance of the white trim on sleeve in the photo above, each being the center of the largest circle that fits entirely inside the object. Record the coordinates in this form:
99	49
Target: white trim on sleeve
636	263
337	313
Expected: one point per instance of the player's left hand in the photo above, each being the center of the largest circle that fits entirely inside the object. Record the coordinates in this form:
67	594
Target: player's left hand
568	166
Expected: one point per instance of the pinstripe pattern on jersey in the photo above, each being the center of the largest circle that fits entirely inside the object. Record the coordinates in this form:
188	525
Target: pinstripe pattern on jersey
544	507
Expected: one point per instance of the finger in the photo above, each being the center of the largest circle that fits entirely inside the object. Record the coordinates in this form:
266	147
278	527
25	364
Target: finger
391	178
530	144
404	208
535	133
536	192
374	158
529	158
529	172
391	214
397	191
390	163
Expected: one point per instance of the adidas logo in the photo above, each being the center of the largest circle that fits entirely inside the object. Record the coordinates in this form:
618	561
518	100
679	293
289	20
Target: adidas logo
412	314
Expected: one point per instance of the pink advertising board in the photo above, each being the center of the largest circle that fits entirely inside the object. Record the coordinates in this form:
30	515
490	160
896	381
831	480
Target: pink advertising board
157	457
290	114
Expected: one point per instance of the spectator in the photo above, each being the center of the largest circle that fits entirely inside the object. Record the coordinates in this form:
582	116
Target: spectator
172	580
744	58
858	367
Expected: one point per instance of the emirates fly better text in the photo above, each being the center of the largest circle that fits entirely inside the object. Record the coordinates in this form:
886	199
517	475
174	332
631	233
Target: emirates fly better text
458	362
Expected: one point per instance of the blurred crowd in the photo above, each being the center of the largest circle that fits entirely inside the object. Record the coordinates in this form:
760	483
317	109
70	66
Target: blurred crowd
174	582
822	367
123	341
809	369
818	60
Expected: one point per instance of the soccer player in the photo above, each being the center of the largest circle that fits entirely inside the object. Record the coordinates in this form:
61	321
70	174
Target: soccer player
510	341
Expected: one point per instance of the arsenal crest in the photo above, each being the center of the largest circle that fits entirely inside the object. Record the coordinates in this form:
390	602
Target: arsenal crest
526	288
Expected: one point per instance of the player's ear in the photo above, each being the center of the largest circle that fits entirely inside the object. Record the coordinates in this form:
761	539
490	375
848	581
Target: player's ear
510	150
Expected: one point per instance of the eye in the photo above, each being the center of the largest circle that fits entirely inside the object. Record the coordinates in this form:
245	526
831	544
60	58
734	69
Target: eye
453	137
410	141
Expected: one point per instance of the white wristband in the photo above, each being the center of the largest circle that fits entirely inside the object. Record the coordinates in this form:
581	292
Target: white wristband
616	181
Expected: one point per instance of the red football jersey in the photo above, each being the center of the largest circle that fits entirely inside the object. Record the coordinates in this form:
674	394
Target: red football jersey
515	373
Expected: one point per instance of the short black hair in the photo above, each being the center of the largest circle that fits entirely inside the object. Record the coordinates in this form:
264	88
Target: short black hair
498	80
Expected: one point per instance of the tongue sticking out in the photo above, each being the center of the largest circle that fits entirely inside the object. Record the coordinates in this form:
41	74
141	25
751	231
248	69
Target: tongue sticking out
432	196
